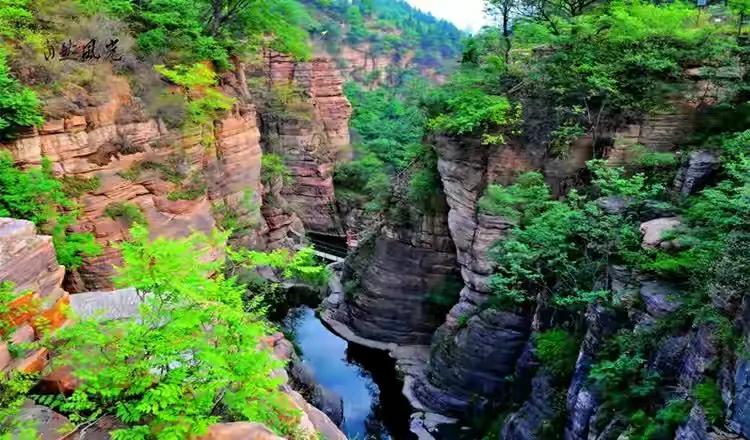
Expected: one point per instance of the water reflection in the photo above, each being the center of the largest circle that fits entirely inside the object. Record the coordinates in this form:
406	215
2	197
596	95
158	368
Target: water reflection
374	407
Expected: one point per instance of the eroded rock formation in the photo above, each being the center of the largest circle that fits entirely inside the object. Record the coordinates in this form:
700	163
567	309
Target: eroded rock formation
394	281
138	160
311	138
28	261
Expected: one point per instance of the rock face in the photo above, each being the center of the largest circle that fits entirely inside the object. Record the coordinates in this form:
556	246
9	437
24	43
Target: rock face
113	141
311	138
527	422
28	260
657	132
701	166
472	351
391	278
740	418
581	401
136	157
472	363
49	425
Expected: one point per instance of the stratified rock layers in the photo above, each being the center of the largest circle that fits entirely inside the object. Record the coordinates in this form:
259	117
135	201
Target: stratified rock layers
474	350
312	140
391	278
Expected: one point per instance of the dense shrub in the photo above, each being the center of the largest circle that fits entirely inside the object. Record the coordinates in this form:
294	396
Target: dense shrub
192	358
19	106
557	350
129	213
272	168
36	195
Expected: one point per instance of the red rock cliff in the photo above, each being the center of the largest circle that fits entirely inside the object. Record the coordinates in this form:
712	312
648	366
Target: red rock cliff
311	144
110	140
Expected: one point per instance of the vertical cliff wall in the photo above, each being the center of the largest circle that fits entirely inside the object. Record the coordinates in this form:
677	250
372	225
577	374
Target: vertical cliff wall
392	279
134	156
475	349
310	140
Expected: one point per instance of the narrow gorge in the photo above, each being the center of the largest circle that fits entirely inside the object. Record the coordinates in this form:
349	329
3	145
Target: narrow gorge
305	219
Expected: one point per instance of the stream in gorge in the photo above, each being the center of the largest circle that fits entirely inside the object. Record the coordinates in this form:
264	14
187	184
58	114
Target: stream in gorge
366	379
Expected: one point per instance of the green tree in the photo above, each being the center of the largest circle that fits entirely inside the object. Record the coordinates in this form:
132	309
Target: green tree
36	195
19	105
218	30
193	357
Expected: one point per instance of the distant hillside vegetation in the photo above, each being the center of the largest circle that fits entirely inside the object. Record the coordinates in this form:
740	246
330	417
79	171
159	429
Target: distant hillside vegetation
376	41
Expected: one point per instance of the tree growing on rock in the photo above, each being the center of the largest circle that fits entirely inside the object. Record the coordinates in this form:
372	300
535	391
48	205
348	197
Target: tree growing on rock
193	356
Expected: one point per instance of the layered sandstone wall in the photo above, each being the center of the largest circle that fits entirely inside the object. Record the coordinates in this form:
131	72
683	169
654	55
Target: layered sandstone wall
28	261
392	279
311	142
110	140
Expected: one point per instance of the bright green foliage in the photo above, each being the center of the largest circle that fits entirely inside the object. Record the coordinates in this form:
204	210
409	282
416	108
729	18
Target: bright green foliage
389	27
425	187
390	124
17	23
36	195
7	295
192	358
613	181
463	107
711	216
75	186
663	425
117	8
19	105
587	68
168	170
301	265
357	30
557	249
272	168
523	200
187	31
626	382
557	350
192	189
624	60
205	103
129	213
741	8
239	216
390	127
14	389
708	394
363	181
